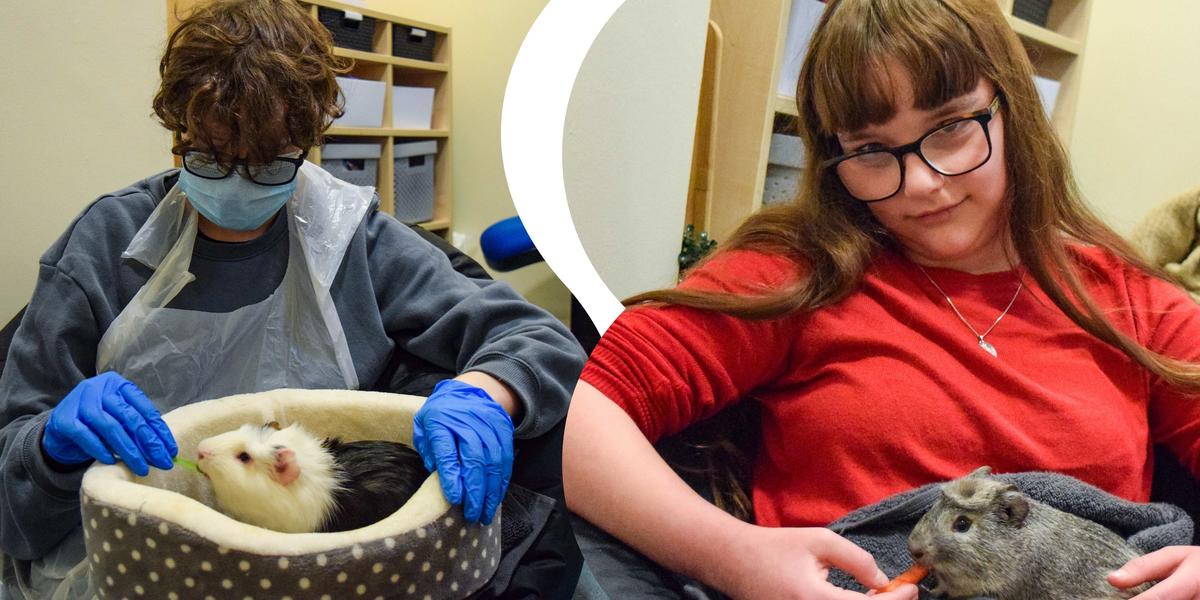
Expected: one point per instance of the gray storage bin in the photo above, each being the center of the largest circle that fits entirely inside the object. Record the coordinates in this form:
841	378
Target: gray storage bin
349	30
785	164
1034	11
414	180
353	163
412	42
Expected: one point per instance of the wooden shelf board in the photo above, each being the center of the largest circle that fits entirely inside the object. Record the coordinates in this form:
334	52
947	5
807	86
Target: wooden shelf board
1044	37
387	131
435	225
421	133
382	16
786	105
404	63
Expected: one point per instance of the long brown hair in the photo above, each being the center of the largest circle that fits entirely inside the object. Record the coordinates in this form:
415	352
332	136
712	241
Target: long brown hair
946	46
259	72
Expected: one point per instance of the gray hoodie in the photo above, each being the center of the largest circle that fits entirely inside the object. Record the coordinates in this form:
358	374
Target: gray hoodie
394	293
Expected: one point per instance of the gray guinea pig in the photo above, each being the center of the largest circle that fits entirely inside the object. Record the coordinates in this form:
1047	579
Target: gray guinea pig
982	537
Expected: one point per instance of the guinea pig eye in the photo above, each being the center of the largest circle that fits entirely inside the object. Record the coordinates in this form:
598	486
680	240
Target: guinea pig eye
244	457
961	524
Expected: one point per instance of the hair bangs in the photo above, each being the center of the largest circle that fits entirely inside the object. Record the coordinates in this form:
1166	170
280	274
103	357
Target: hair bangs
865	48
231	121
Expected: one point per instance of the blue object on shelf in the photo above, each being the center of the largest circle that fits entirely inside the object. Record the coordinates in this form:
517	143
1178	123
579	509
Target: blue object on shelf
507	246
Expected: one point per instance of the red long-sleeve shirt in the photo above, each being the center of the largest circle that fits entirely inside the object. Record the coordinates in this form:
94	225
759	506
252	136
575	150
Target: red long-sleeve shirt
888	389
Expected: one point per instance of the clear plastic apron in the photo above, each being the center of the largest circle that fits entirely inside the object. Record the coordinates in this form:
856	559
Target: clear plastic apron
292	339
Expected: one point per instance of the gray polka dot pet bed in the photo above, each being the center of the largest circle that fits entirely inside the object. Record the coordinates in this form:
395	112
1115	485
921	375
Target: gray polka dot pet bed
160	537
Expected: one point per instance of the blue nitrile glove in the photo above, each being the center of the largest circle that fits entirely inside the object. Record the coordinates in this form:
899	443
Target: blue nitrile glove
469	438
106	414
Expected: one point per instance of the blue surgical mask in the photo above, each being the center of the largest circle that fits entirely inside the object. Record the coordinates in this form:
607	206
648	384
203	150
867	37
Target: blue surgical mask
235	202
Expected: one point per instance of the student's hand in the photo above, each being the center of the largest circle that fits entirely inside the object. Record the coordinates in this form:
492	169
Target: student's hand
1176	568
468	439
789	562
106	415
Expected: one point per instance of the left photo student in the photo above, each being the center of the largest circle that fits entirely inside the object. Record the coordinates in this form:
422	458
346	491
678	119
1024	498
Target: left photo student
247	270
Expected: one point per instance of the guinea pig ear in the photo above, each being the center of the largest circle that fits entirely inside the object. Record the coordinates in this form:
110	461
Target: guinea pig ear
1013	507
286	469
980	473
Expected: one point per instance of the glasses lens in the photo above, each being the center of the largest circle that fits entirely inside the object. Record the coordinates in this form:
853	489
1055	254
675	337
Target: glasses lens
203	164
957	148
870	176
276	172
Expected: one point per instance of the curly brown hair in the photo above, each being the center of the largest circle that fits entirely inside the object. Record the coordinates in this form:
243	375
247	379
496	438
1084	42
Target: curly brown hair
253	76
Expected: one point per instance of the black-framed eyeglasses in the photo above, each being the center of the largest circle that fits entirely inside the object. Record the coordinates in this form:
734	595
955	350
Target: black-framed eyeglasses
282	170
955	148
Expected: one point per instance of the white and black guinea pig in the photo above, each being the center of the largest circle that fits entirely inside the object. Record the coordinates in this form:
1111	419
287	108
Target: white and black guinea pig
292	481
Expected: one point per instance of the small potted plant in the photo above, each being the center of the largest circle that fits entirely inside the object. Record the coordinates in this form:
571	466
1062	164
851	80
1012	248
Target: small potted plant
695	246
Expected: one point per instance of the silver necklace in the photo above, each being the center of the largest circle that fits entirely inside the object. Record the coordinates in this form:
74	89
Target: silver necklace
990	349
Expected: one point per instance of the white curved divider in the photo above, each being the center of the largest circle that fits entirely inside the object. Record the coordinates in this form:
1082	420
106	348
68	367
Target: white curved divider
531	143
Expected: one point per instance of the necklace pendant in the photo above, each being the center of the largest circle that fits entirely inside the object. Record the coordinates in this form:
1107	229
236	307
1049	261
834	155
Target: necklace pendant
990	349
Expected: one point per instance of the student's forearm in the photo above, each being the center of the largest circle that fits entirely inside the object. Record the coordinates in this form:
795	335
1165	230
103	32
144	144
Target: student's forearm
501	393
615	479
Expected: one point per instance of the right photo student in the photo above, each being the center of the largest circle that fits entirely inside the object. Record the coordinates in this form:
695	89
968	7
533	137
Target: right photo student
939	297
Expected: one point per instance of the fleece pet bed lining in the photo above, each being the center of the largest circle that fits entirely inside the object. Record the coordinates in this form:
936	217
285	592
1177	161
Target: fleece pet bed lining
161	537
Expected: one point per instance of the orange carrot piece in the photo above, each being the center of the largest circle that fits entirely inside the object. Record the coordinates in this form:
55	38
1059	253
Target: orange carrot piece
913	575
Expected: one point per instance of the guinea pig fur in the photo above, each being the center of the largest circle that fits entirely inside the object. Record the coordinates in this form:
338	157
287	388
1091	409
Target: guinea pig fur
983	537
291	481
378	478
280	479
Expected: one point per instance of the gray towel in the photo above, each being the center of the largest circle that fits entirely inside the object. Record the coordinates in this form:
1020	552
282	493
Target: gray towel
882	528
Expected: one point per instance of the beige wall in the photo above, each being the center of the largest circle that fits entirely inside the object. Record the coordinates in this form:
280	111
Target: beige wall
76	123
627	144
485	37
1136	127
79	124
89	74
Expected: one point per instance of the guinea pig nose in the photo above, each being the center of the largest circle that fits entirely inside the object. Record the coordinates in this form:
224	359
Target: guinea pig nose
202	455
916	550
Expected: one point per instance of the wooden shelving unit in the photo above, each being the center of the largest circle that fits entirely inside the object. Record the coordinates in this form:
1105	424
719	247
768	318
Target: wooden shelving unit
740	112
745	106
396	61
379	65
378	131
436	225
1057	52
1040	37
